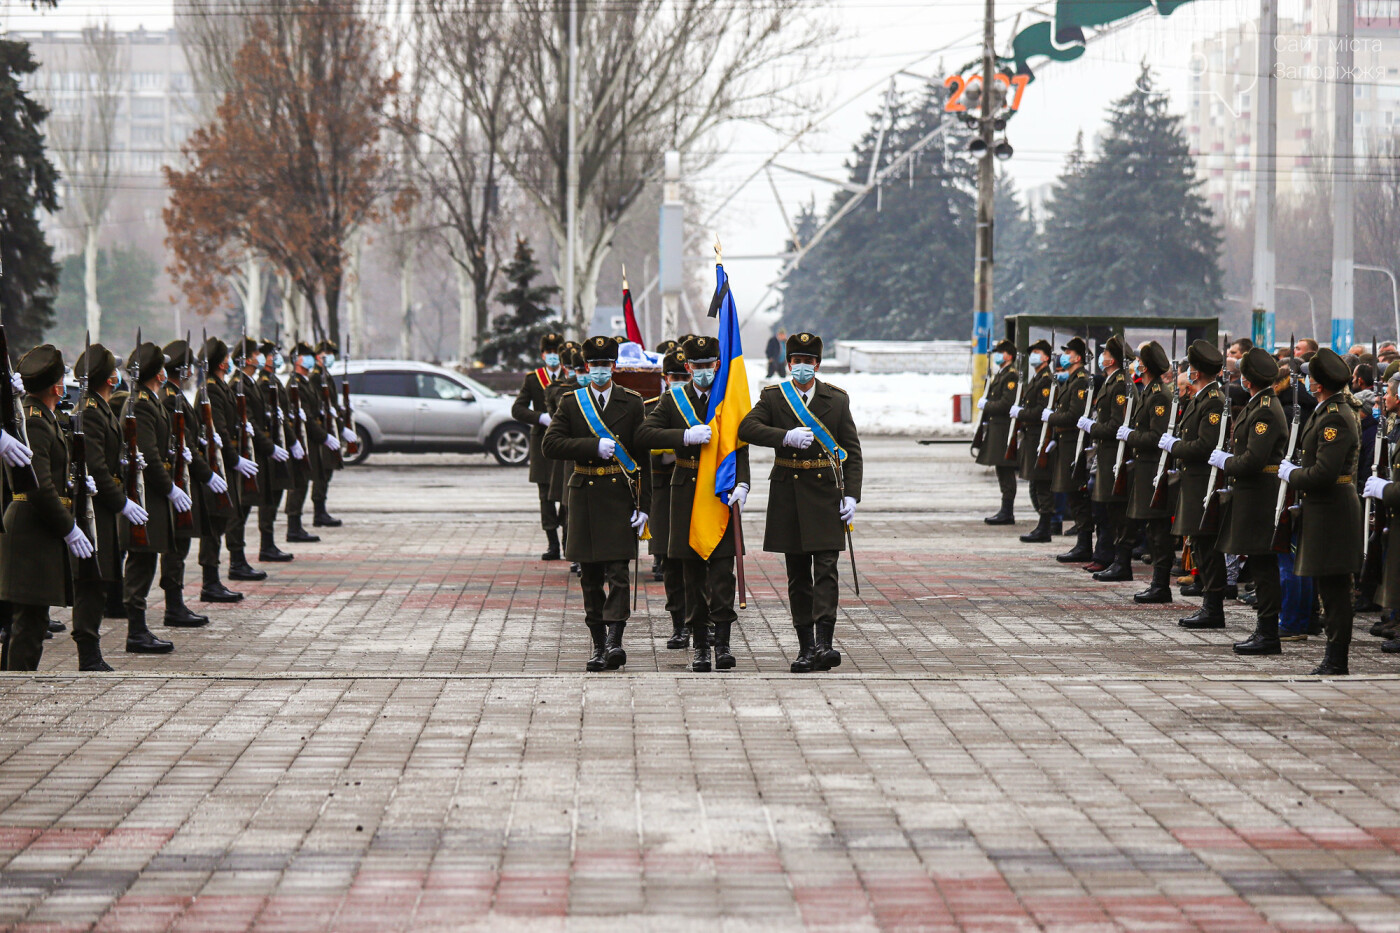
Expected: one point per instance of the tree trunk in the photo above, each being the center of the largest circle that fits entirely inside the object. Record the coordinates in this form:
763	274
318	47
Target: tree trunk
94	310
466	318
289	311
331	287
254	295
406	303
354	298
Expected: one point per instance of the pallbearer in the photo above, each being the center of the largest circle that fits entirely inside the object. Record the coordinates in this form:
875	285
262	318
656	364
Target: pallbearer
1110	412
1070	469
996	408
1151	415
532	407
810	502
663	466
598	427
1034	400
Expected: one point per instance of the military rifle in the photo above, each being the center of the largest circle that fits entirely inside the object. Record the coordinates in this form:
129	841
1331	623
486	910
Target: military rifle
245	430
78	473
1159	483
1210	521
840	474
1013	443
1088	413
1372	524
1120	475
179	473
298	416
206	425
330	421
979	439
352	448
1042	455
24	479
1283	507
133	479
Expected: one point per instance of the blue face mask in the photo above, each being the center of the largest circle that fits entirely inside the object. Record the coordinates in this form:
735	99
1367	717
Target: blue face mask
1037	359
704	378
1065	360
329	360
598	377
998	359
551	360
1062	377
120	379
278	361
803	373
308	362
259	360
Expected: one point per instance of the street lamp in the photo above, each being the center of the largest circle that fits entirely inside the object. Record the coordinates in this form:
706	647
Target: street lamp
1312	305
1394	291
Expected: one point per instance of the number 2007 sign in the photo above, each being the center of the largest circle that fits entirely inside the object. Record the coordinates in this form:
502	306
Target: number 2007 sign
959	84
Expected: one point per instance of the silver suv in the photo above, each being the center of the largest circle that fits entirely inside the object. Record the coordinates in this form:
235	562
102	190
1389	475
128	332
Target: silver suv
413	407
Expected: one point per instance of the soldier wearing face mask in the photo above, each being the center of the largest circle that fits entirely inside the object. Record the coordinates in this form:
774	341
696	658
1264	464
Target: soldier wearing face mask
663	467
1070	472
1034	400
1110	410
308	412
996	408
570	365
224	411
327	393
532	407
1150	419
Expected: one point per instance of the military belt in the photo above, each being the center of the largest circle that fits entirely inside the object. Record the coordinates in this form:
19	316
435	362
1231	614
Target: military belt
688	464
1271	469
801	464
1344	480
24	497
598	471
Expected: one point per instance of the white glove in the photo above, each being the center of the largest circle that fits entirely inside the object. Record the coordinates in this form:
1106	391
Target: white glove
332	442
248	426
348	436
249	468
78	543
740	495
216	484
17	382
982	403
639	521
278	453
91	485
545	419
1045	416
848	509
1050	446
189	457
1285	469
1167	442
134	514
298	451
606	446
13	450
218	440
1217	459
1084	423
140	460
1123	432
799	438
178	498
700	434
1375	487
1016	411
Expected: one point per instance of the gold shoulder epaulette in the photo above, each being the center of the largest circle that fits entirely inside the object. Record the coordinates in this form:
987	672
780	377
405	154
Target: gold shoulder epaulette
1264	402
652	401
35	411
91	403
631	391
836	387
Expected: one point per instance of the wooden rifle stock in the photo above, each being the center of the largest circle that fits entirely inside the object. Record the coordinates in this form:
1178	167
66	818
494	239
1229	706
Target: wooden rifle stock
179	474
331	422
132	480
1042	456
245	436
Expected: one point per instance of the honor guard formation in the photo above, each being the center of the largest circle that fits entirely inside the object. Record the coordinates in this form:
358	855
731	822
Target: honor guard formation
108	494
1235	475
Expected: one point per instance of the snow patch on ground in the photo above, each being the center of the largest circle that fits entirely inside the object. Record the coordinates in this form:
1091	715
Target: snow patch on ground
905	404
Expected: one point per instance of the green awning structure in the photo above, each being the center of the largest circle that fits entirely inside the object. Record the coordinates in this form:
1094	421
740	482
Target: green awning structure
1063	39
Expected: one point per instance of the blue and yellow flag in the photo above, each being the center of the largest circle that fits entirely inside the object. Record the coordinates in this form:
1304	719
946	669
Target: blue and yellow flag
729	403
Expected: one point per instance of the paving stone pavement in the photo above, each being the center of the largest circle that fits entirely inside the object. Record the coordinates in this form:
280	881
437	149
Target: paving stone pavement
394	732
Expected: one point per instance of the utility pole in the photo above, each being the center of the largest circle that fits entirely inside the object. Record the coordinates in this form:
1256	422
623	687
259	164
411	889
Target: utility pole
1266	178
986	216
671	248
571	177
1343	191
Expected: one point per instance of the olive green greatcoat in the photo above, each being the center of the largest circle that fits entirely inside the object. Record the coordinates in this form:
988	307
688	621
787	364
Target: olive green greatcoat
531	402
224	412
313	425
198	469
102	440
663	465
153	440
1035	400
280	429
35	569
1110	411
1001	395
1198	427
1330	540
664	428
1258	441
1389	595
804	504
329	415
1151	415
601	505
1069	473
559	470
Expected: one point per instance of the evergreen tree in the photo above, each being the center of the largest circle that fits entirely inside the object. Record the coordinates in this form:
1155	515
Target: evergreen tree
27	184
1129	232
126	288
514	338
1016	286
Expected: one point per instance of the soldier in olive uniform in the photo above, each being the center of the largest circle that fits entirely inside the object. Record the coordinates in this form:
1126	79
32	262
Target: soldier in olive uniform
322	447
1258	442
709	582
1034	400
532	407
286	465
40	538
1386	491
608	502
1070	472
223	407
1110	412
663	465
247	383
327	392
570	365
1198	431
807	514
163	499
1151	416
1329	540
996	409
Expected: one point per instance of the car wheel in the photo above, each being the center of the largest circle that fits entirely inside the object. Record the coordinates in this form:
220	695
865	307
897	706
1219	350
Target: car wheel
510	445
365	445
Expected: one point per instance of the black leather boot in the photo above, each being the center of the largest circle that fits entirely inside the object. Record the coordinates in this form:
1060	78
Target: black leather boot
1193	588
1003	517
658	569
1263	641
1083	550
1210	615
1057	527
214	591
724	661
827	656
1120	571
616	655
178	615
599	660
700	660
114	609
90	657
1334	662
55	626
240	569
806	650
680	633
1159	590
270	553
323	519
552	551
1040	534
139	639
297	533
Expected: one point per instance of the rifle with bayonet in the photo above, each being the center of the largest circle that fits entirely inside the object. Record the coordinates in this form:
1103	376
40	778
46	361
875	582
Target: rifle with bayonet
1284	508
88	568
1120	475
352	448
1042	455
179	472
1013	435
1373	523
1210	520
133	478
245	430
24	479
222	500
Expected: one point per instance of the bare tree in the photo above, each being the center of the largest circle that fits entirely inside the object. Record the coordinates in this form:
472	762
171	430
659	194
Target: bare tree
83	90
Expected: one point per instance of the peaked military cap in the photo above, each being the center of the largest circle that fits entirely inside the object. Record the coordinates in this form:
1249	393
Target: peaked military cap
674	363
97	363
701	349
1328	369
1006	346
1076	345
1259	367
327	346
215	352
1154	358
304	349
177	354
268	347
572	357
41	368
1043	346
551	343
149	360
804	344
1206	357
1118	349
600	350
620	340
245	349
666	346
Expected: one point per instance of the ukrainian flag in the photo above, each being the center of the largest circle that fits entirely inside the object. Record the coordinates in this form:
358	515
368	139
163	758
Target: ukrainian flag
729	403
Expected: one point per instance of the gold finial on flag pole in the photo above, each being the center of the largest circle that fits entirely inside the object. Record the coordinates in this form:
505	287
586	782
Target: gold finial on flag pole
624	277
719	252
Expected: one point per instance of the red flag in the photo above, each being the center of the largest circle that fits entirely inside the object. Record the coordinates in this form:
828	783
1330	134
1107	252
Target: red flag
634	333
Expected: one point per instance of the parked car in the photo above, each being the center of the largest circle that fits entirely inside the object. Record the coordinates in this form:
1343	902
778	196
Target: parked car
420	408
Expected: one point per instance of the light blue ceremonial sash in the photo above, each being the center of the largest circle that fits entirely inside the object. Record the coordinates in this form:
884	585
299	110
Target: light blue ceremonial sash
599	429
810	421
686	409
